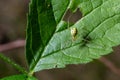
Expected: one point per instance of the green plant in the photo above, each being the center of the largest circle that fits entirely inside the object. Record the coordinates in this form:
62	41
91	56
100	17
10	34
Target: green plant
47	33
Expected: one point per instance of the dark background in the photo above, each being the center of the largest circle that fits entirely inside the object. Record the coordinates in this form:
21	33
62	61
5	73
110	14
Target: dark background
13	27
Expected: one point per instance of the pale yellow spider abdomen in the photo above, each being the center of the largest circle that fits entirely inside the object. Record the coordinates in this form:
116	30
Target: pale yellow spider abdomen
73	33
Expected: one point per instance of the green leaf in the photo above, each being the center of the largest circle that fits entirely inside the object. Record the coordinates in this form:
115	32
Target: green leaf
60	8
97	32
41	26
18	77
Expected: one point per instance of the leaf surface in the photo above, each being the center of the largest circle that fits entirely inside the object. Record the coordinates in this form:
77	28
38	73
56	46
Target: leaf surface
97	32
18	77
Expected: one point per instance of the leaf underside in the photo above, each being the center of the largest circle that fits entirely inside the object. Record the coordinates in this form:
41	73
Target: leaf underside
49	41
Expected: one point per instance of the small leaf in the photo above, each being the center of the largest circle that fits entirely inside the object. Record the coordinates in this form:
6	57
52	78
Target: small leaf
50	43
18	77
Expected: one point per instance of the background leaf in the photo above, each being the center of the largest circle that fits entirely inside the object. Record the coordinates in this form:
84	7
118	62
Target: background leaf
97	33
18	77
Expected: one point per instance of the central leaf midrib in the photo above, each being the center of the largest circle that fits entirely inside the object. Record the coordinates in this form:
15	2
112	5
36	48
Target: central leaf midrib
67	47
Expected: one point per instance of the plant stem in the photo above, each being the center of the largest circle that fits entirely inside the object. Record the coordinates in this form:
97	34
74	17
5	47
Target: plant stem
8	60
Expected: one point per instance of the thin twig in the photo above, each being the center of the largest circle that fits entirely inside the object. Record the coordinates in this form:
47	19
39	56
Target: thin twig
16	66
110	65
12	45
9	46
